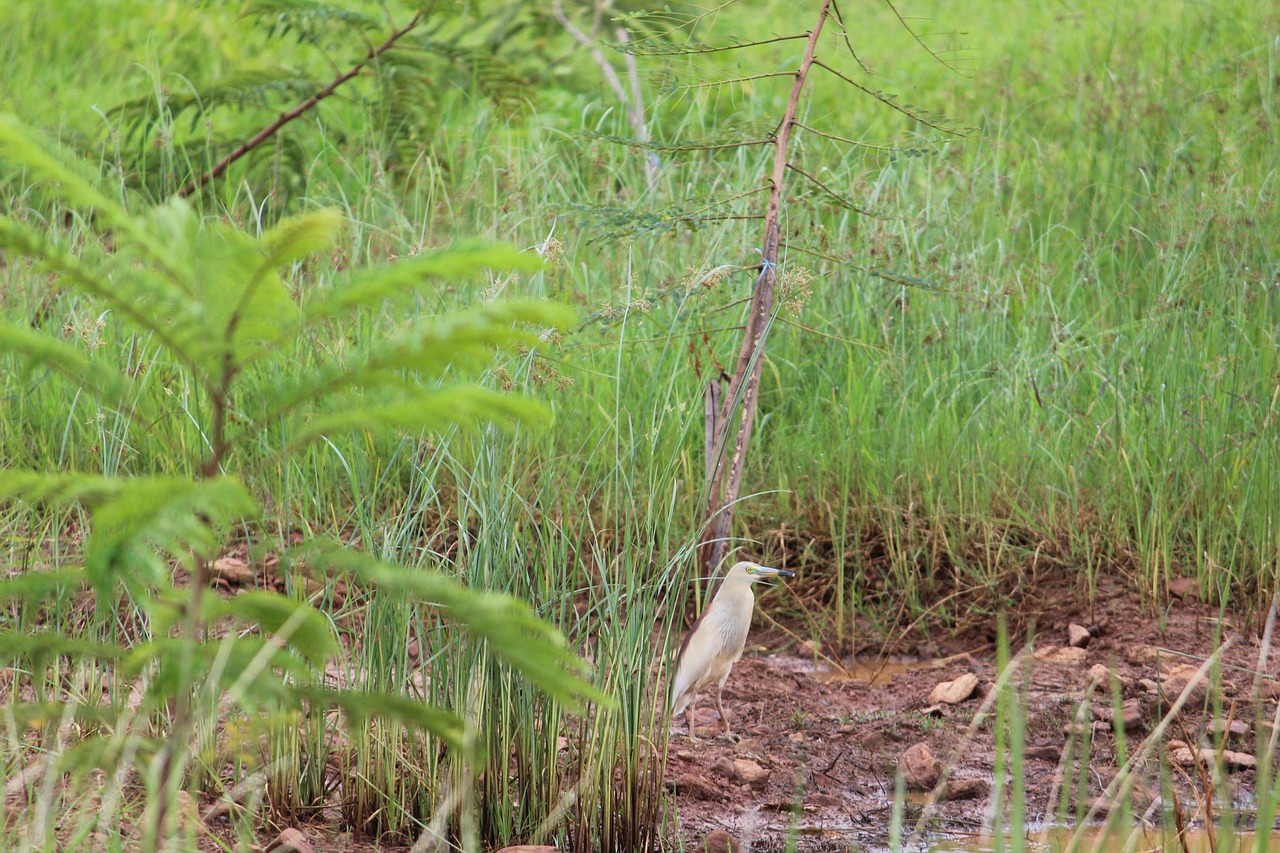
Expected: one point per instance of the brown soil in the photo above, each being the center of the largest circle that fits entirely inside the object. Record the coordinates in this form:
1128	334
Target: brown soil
816	756
826	752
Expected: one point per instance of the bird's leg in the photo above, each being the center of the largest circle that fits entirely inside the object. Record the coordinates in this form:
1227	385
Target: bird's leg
688	715
727	735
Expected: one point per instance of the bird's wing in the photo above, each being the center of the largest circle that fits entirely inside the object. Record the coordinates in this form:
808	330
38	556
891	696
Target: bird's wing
691	663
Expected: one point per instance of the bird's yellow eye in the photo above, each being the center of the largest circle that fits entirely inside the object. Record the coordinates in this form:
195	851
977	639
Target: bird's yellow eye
751	570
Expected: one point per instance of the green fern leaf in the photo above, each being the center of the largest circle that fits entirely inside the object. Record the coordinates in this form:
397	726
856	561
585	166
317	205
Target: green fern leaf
363	705
514	632
466	406
464	336
461	260
37	586
151	517
46	162
296	623
37	349
300	236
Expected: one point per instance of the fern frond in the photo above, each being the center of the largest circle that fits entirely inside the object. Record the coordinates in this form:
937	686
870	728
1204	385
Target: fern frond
136	520
460	260
731	136
621	222
245	88
464	406
48	163
362	705
512	629
661	47
464	337
493	77
300	236
308	20
37	349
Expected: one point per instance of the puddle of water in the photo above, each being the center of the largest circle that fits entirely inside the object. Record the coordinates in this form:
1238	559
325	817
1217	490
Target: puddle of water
1089	838
876	672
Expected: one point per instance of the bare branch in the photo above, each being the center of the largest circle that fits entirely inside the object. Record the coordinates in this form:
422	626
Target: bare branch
914	35
732	80
844	35
643	49
814	130
273	128
888	101
839	199
610	75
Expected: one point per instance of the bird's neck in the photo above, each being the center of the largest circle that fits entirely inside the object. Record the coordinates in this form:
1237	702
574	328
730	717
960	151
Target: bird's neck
737	596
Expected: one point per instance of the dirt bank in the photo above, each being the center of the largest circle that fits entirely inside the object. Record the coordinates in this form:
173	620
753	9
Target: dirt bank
818	755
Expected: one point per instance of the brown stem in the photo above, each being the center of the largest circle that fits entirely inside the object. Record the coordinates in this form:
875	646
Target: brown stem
725	480
284	118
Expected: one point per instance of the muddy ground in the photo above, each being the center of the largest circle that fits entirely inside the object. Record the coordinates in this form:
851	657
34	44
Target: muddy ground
817	757
817	748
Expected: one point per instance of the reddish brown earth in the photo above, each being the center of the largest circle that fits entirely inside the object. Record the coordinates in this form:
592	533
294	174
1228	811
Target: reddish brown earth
819	758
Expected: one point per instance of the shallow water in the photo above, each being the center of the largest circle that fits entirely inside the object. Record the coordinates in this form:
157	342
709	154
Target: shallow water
1095	839
868	670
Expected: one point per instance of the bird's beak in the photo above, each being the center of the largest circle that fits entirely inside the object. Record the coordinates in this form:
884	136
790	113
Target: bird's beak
783	573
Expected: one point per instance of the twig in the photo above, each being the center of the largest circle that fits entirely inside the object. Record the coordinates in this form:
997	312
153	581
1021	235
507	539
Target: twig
589	41
284	118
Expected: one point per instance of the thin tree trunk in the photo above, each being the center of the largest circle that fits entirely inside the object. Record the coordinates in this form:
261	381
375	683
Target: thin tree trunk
725	478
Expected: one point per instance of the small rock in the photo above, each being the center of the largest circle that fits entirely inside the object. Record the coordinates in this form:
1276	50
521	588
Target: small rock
293	841
826	801
1043	753
749	746
1099	678
1184	679
750	772
1142	655
1184	588
1062	655
1133	714
1229	728
920	770
725	768
1233	760
1078	636
233	570
1150	686
696	787
810	648
1184	756
954	692
966	789
719	841
847	729
707	717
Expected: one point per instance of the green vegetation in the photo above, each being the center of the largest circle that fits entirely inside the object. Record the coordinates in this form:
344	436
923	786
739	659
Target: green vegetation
1050	347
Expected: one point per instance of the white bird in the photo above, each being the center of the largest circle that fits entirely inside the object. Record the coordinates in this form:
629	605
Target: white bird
716	640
